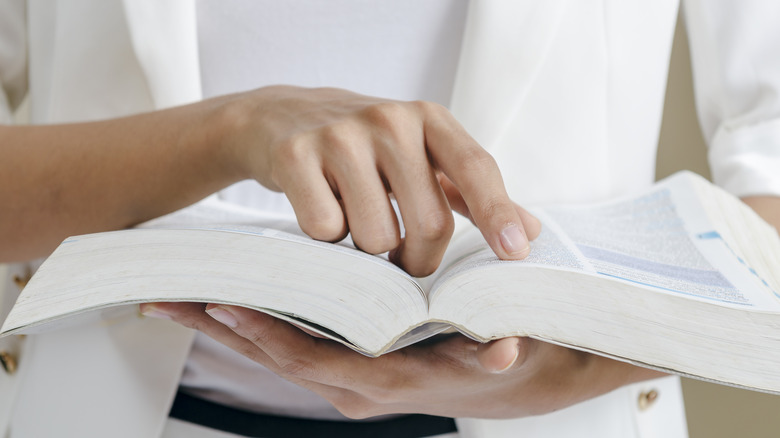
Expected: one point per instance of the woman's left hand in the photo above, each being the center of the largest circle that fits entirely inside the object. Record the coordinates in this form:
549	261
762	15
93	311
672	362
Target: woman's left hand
454	377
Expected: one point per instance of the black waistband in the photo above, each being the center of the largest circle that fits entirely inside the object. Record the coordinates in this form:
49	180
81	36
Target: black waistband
249	424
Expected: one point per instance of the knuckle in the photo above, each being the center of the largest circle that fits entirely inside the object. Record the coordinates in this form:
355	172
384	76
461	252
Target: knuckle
387	115
289	155
430	108
477	159
326	225
343	145
436	227
493	208
339	136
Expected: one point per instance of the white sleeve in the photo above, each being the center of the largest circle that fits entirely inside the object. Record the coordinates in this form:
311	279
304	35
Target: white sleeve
735	51
13	56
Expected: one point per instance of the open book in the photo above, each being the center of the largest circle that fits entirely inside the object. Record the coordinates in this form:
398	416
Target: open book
683	278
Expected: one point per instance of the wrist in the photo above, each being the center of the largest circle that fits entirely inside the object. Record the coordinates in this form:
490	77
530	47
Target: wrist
217	133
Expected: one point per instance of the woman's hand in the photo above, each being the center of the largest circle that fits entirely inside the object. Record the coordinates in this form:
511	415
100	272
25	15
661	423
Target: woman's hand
456	377
340	157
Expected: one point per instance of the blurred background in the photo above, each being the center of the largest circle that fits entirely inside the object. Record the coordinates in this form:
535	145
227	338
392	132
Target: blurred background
713	411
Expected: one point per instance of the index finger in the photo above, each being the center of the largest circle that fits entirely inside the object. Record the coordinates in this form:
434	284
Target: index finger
475	174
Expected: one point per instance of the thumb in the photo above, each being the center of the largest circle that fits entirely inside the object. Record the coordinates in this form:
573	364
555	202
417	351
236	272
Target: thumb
500	355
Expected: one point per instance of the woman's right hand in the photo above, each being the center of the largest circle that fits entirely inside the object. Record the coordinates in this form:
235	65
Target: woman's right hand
340	157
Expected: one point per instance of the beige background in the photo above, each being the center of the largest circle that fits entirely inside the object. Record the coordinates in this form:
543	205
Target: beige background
713	411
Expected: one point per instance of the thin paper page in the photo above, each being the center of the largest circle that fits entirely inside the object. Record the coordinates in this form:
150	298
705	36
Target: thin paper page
660	240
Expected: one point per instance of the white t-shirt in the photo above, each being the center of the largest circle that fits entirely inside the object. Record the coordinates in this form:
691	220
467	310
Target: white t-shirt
405	49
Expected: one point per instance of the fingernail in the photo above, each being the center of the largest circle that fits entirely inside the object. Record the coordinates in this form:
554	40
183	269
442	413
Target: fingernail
224	316
514	241
511	362
152	312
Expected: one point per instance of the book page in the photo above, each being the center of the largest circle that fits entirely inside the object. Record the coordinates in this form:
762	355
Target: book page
661	240
648	279
469	251
335	288
644	241
214	214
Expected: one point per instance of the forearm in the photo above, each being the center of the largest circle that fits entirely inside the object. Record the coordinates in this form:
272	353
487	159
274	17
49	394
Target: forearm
61	180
